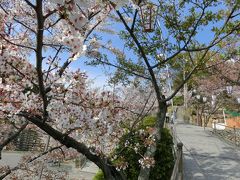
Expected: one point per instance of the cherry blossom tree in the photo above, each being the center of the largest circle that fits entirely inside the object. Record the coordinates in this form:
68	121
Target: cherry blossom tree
219	74
39	41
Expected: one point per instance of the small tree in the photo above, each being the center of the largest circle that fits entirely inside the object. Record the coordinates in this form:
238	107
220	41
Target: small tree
213	83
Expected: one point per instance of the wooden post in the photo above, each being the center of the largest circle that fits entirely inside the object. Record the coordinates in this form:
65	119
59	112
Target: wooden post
204	121
177	173
214	126
197	114
77	162
235	135
180	166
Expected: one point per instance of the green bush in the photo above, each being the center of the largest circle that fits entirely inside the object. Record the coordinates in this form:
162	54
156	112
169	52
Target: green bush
99	175
178	100
164	160
164	157
148	121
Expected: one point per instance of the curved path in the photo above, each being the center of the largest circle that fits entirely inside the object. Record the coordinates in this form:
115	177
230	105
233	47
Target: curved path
205	156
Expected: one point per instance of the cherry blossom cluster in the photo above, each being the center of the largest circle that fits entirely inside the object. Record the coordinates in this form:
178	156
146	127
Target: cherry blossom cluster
79	17
147	162
3	168
5	131
16	100
26	168
121	164
77	110
221	75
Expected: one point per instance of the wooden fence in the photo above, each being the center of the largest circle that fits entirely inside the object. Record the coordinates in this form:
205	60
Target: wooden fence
230	134
177	173
28	140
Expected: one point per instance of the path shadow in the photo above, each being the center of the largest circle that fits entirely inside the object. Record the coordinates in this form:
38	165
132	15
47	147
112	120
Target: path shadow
223	164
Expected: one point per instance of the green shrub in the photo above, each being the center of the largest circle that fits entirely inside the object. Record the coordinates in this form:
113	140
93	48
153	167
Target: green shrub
148	121
99	175
178	100
164	157
164	160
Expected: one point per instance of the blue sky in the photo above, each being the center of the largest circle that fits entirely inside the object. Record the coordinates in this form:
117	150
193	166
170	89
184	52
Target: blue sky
97	73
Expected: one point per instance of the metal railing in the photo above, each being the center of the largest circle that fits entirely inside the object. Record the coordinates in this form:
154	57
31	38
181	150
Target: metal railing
231	134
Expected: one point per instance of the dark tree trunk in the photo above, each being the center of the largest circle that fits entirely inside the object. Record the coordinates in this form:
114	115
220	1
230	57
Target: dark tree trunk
161	116
110	172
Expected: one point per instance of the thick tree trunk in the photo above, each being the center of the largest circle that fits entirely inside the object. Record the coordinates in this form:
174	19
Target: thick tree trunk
110	172
161	115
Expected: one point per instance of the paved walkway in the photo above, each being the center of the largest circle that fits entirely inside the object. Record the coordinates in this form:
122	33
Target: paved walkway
86	173
206	157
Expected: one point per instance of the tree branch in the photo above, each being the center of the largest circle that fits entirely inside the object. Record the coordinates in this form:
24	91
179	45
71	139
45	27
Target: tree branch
134	20
124	69
215	41
30	4
29	161
187	78
54	58
19	45
12	137
185	44
39	57
24	25
50	13
150	70
101	161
